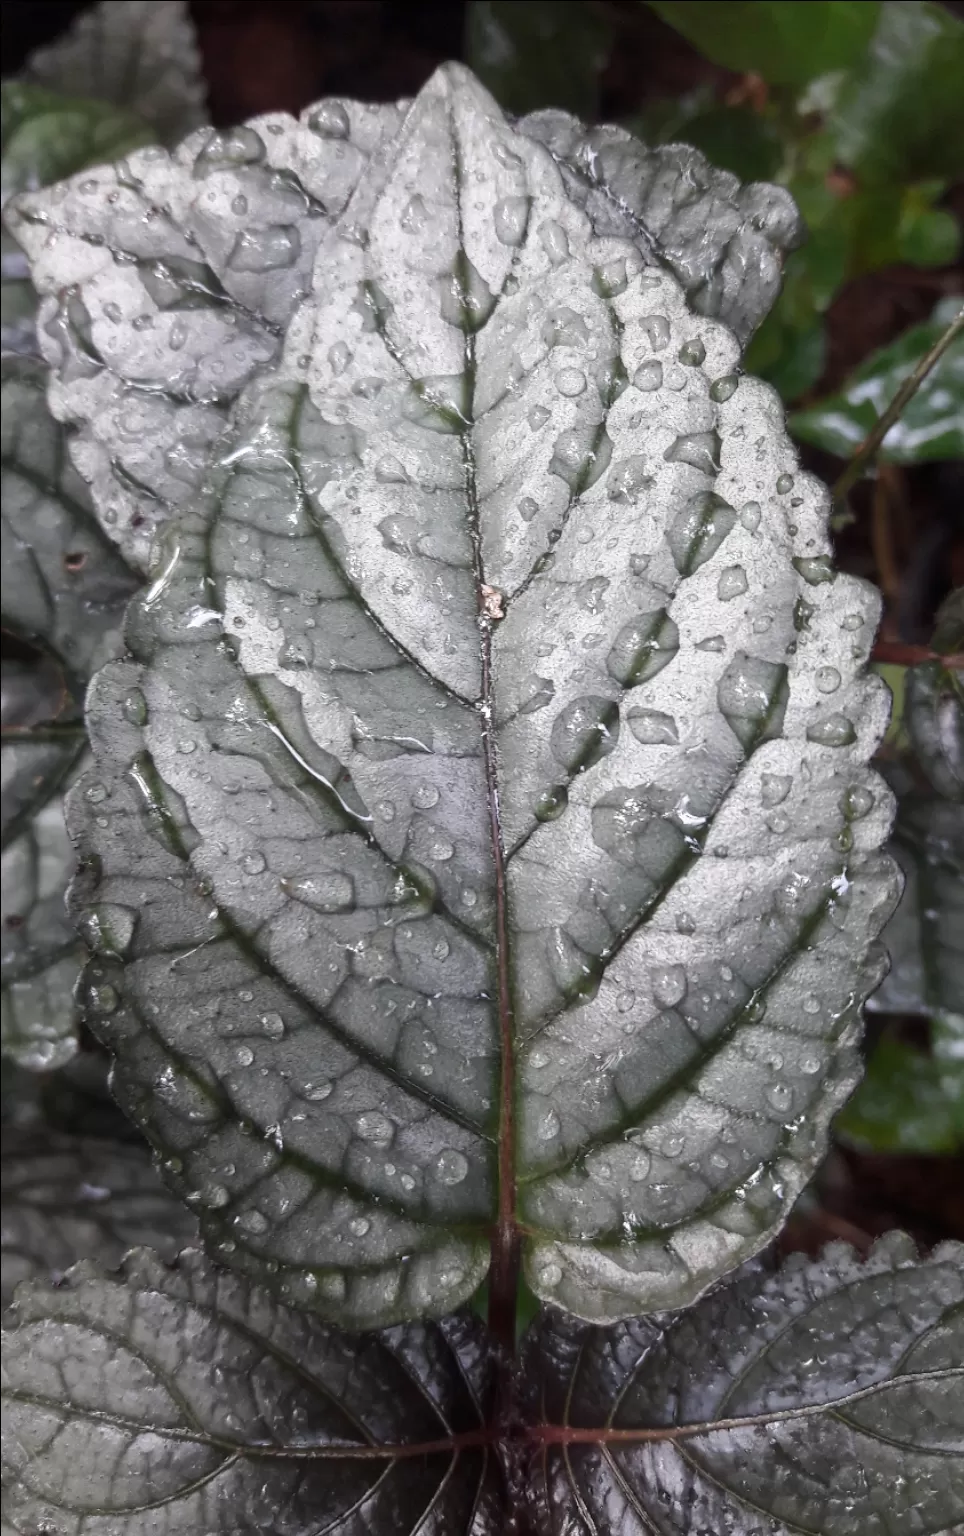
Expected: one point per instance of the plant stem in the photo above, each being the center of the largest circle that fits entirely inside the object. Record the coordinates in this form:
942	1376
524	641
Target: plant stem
904	395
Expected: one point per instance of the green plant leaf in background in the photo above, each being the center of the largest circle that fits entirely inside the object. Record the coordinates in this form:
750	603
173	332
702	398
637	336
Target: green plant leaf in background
788	42
932	424
538	53
140	54
899	114
910	1099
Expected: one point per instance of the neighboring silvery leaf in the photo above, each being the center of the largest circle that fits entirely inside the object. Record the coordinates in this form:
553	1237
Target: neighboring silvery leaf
43	739
140	54
931	425
824	1398
725	242
934	720
69	1197
195	1403
169	280
63	584
925	937
44	137
487	799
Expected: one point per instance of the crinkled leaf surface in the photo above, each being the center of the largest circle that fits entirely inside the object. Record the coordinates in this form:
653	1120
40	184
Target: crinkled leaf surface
925	936
189	1401
724	242
483	819
140	54
932	424
69	1197
169	280
824	1399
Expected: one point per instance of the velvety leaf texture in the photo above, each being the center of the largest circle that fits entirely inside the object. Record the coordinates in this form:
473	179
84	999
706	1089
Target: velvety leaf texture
723	242
140	54
69	1197
825	1400
171	278
187	1401
481	834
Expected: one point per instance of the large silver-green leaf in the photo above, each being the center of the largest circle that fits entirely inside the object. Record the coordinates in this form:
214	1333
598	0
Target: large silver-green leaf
186	1401
72	1197
140	54
725	242
484	819
168	282
825	1400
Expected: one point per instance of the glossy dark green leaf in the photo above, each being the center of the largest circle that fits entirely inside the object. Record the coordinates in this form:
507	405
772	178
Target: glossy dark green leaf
788	42
67	1198
538	53
723	242
490	717
931	425
43	739
909	1100
925	937
140	54
825	1398
900	112
193	1402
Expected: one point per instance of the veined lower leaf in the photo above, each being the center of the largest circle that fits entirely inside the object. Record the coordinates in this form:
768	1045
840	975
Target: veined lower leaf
73	1197
723	241
822	1399
481	834
193	1402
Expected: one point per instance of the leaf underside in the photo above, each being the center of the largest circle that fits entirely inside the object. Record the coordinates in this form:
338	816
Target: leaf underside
480	837
821	1399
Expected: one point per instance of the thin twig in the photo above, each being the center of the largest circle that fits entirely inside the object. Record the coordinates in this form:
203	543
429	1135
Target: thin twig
904	395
